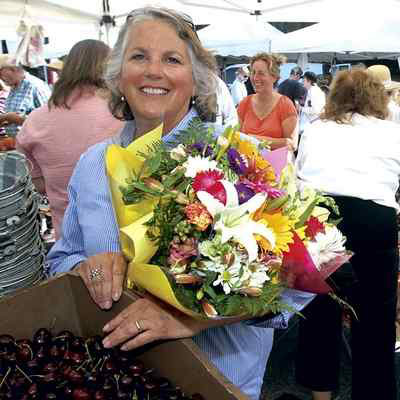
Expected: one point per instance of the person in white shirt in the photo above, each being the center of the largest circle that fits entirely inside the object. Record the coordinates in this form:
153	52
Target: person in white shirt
315	100
353	154
382	73
226	110
238	88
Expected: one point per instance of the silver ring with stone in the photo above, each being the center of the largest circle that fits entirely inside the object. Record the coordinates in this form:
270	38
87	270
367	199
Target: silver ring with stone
96	274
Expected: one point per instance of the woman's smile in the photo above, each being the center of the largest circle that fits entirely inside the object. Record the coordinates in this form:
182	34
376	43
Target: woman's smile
151	91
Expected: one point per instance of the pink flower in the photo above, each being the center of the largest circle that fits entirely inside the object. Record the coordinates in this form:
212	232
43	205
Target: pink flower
181	252
261	187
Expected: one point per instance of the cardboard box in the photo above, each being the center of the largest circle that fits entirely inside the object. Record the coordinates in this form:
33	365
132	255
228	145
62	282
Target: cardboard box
64	303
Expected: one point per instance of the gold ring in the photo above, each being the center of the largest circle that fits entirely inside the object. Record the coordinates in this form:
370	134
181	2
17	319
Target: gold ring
138	326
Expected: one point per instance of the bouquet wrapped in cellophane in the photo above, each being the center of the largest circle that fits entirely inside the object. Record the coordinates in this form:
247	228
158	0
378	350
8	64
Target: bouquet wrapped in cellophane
216	226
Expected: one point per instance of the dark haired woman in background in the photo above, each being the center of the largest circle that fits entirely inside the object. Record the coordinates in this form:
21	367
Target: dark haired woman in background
54	136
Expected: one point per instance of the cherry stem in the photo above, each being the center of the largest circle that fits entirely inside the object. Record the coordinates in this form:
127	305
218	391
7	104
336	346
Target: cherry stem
62	384
81	366
53	324
23	373
102	365
116	377
98	363
88	352
5	377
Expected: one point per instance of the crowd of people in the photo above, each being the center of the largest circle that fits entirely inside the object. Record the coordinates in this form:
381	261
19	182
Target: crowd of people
344	138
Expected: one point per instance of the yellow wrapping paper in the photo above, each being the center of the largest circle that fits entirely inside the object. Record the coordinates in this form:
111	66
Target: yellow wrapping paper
136	246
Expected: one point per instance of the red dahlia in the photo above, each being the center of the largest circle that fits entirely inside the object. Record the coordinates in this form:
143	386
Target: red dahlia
314	226
206	179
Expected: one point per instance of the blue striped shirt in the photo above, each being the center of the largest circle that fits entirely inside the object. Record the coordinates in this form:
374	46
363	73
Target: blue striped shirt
31	93
240	350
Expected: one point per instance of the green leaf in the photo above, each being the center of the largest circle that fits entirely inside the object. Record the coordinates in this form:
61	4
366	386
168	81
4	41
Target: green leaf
171	180
141	186
210	291
151	165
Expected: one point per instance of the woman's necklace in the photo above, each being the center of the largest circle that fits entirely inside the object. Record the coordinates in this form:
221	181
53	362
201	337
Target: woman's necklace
264	106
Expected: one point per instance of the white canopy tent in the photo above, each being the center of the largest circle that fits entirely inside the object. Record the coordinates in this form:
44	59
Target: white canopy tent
243	36
375	35
66	21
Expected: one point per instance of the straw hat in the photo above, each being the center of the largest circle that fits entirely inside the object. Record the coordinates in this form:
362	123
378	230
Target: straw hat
6	60
55	64
382	73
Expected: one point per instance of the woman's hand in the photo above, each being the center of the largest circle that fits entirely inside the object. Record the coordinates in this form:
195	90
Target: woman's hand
147	320
104	276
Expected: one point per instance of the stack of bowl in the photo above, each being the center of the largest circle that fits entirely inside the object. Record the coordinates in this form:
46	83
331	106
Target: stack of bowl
21	248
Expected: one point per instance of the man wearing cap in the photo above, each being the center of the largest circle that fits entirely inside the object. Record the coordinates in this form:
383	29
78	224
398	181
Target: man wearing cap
293	89
382	73
238	88
26	93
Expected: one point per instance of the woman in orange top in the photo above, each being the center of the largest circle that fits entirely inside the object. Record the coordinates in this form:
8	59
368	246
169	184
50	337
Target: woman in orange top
267	115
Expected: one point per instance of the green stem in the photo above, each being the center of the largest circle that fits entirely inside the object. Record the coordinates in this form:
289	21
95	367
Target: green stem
5	377
23	373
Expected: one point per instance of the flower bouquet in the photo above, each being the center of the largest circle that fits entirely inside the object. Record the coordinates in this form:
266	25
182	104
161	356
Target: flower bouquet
216	226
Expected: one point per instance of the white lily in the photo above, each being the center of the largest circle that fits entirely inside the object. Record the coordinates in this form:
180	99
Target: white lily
233	220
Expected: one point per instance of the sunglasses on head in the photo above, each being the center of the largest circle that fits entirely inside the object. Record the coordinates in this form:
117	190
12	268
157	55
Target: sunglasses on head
187	19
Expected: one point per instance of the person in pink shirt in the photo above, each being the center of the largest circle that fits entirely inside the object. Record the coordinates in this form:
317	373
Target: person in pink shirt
54	136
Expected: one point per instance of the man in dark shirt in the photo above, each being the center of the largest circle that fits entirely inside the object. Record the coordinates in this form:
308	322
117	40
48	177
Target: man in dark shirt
293	89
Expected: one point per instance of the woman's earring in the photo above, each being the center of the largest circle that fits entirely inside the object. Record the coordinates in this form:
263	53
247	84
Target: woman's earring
193	102
122	99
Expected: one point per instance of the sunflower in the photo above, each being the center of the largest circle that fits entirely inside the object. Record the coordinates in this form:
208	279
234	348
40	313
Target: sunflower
246	148
282	226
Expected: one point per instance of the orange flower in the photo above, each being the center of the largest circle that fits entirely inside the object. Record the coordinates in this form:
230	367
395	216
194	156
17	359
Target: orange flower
198	215
260	170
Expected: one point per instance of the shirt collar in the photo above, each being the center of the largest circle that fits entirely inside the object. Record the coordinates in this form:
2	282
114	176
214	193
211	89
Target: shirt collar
127	134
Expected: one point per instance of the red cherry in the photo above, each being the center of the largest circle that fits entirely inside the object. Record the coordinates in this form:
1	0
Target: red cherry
24	350
50	367
136	368
81	394
42	337
77	358
99	395
75	377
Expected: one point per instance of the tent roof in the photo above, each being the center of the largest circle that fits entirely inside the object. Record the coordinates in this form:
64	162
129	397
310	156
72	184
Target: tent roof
339	30
376	34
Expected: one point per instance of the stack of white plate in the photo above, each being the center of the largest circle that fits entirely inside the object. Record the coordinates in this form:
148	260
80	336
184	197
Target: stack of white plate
21	248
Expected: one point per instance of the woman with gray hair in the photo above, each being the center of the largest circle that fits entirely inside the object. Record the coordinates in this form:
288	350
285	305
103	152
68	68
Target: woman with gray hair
158	72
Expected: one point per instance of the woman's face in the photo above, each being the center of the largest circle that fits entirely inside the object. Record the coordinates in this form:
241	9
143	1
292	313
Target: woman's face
261	78
156	77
